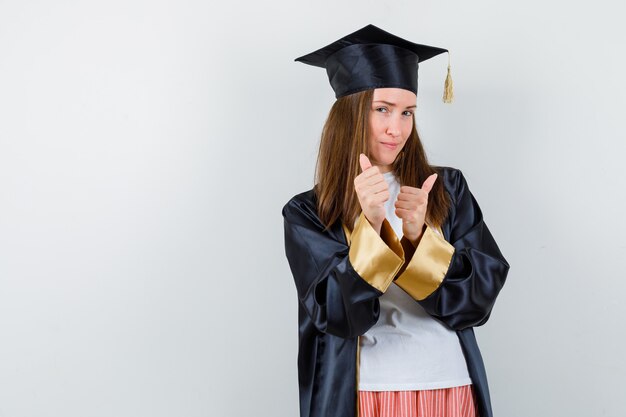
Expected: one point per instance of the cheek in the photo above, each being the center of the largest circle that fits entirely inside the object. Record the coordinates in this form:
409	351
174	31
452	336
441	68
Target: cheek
375	124
407	130
374	130
408	126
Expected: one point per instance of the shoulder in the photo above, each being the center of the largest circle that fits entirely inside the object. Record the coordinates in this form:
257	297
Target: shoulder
302	207
452	178
303	201
447	172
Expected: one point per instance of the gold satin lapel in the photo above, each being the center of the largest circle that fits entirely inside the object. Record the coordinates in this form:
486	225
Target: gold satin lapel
388	235
428	266
376	258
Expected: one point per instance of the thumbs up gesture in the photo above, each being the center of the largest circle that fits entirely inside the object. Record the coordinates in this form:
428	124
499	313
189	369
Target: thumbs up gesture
411	207
372	191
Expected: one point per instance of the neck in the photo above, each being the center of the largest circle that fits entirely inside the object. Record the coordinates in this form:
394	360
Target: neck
384	168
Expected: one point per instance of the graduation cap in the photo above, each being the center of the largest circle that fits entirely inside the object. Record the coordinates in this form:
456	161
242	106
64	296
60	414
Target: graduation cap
373	58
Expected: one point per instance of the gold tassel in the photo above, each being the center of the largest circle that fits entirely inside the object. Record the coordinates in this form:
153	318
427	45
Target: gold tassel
448	90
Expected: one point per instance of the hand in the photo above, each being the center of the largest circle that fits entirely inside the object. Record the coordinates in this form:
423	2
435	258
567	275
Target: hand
372	191
411	207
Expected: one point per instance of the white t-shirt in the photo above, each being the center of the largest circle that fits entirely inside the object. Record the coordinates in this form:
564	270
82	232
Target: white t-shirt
407	349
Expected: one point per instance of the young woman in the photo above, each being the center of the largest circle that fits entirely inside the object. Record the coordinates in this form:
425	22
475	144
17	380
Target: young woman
392	261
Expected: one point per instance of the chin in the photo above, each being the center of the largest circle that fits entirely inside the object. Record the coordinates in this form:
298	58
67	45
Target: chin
388	160
385	159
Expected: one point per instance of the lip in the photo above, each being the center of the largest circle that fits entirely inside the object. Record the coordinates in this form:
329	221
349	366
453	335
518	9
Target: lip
389	145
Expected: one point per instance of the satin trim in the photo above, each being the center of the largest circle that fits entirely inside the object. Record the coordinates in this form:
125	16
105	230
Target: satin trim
428	266
376	258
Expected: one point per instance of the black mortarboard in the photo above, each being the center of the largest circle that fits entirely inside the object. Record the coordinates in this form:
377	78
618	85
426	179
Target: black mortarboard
373	58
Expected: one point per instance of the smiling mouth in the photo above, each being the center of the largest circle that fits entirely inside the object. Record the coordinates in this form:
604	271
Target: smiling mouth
390	145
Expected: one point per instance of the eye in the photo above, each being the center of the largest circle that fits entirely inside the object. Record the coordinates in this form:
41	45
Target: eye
408	113
378	109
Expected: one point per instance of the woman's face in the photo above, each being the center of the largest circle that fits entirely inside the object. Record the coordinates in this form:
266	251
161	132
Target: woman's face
390	124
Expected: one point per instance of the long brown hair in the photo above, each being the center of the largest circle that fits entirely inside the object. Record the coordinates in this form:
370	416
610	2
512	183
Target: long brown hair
344	137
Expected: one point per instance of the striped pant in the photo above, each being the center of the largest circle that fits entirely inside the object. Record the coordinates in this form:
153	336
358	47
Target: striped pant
446	402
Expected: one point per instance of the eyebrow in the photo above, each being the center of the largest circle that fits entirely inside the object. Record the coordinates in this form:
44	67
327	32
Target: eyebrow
393	104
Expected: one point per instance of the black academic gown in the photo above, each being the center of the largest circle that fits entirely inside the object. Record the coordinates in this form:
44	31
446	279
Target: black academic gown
339	277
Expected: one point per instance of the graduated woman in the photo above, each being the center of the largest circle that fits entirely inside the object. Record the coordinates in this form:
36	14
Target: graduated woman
392	261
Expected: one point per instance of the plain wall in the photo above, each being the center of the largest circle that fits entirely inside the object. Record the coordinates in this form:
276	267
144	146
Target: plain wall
148	147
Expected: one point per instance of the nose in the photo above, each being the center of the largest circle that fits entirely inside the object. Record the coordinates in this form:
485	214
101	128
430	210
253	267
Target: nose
393	128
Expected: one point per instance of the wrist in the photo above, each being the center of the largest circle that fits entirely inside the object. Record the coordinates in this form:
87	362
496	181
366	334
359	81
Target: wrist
416	240
375	225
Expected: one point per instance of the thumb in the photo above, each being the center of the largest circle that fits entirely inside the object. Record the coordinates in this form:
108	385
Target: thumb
429	182
364	161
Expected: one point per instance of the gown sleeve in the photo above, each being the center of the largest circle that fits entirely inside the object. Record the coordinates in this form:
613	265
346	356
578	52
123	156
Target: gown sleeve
338	285
457	282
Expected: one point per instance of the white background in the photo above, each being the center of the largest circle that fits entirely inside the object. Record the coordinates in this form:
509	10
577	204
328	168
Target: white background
147	148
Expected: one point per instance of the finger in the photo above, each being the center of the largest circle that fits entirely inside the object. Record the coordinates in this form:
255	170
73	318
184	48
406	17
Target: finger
370	178
413	199
405	215
377	200
374	187
411	194
405	189
382	197
428	184
370	172
364	161
376	179
407	205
